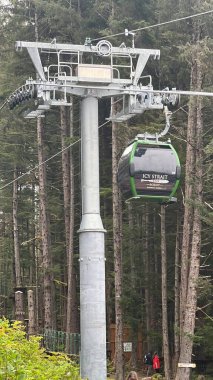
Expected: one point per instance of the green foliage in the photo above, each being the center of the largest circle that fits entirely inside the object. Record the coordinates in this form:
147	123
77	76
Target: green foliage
209	147
157	376
206	334
22	359
110	367
201	377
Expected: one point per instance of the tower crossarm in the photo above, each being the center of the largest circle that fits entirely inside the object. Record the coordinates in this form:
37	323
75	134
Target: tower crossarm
85	48
81	63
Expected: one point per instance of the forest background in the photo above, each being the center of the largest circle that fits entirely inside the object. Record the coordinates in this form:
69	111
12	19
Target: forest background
158	258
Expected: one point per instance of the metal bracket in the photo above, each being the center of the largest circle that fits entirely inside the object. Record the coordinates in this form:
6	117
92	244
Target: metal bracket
156	136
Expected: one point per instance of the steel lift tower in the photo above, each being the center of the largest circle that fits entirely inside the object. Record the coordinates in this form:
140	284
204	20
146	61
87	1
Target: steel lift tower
93	72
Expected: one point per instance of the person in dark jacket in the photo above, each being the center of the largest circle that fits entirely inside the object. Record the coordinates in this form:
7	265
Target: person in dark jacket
156	362
148	362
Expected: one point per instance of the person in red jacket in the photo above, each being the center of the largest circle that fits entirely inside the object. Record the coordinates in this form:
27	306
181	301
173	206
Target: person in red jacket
156	363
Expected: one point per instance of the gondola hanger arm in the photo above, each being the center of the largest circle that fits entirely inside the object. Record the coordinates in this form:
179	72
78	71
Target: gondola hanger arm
168	115
156	136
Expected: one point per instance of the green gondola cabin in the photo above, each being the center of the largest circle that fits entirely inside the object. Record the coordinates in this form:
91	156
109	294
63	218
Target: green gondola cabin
149	170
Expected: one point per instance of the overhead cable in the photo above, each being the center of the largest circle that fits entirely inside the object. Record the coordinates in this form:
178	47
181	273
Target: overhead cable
155	25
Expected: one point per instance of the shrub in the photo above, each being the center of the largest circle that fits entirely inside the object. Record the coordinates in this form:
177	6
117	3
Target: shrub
22	359
157	376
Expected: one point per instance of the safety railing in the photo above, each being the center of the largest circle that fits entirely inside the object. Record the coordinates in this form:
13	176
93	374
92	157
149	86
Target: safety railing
59	341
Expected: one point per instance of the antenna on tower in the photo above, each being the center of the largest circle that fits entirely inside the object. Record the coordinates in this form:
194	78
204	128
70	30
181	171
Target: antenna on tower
128	33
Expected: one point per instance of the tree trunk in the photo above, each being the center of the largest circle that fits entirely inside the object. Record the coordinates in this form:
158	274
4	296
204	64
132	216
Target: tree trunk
156	264
45	233
18	281
31	313
74	302
65	175
191	299
65	159
177	298
38	264
119	375
191	302
134	327
71	321
79	7
19	306
146	274
166	353
188	214
112	9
